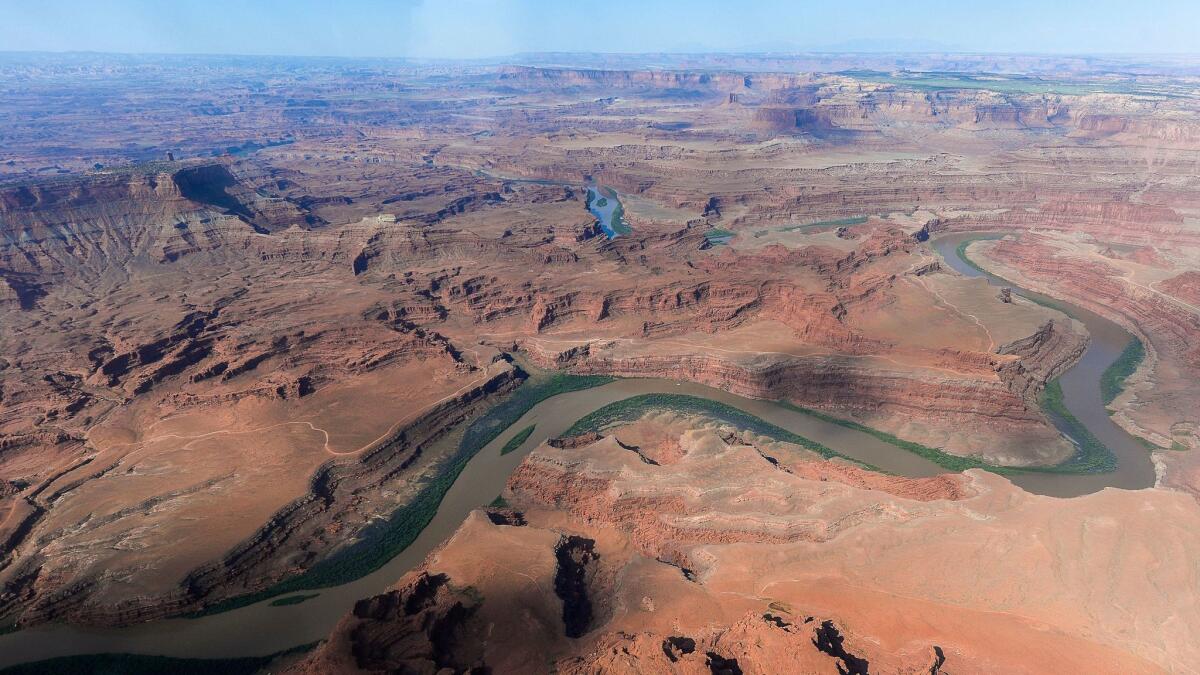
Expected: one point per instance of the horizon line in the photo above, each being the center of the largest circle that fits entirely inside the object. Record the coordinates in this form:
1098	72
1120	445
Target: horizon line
813	52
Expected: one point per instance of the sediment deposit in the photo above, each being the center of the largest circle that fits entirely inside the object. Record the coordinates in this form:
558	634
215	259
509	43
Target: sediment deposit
225	354
732	548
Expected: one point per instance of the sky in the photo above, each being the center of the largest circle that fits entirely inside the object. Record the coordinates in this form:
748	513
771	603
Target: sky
491	28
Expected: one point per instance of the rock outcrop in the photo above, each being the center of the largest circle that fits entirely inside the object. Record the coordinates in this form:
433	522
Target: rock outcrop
217	369
723	561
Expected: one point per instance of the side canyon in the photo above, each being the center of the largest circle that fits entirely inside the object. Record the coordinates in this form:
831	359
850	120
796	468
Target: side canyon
251	361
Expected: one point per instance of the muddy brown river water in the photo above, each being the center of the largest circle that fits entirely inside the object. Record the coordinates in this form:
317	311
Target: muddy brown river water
262	628
1081	390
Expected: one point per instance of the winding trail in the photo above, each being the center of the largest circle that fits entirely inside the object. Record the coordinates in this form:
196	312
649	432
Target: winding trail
395	426
262	628
942	299
1080	386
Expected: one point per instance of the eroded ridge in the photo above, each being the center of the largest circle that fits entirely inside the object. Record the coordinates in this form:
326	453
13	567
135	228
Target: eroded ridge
251	357
716	557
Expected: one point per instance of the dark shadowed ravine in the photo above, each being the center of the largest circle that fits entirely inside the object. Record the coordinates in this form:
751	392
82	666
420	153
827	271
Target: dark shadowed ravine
266	628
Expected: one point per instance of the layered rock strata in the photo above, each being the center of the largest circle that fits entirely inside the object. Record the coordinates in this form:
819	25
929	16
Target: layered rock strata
715	558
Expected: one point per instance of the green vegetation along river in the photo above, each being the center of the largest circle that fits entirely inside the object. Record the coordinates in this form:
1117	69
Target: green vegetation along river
606	206
1074	401
275	624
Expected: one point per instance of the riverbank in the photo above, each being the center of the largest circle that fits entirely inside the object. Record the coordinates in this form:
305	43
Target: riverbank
1075	400
604	203
138	664
384	541
552	409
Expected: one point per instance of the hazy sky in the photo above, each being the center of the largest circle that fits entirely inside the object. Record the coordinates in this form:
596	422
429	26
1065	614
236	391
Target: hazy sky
478	28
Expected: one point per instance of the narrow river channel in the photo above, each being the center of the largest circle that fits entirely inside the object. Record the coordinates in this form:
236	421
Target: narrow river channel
606	206
262	629
1080	386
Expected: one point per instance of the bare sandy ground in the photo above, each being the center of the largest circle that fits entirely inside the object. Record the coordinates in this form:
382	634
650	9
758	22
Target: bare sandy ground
970	565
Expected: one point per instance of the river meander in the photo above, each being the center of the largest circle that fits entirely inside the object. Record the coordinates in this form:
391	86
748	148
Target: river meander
1080	386
264	628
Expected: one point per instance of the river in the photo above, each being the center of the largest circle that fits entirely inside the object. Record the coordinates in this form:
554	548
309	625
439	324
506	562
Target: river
1081	389
605	205
262	629
610	215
